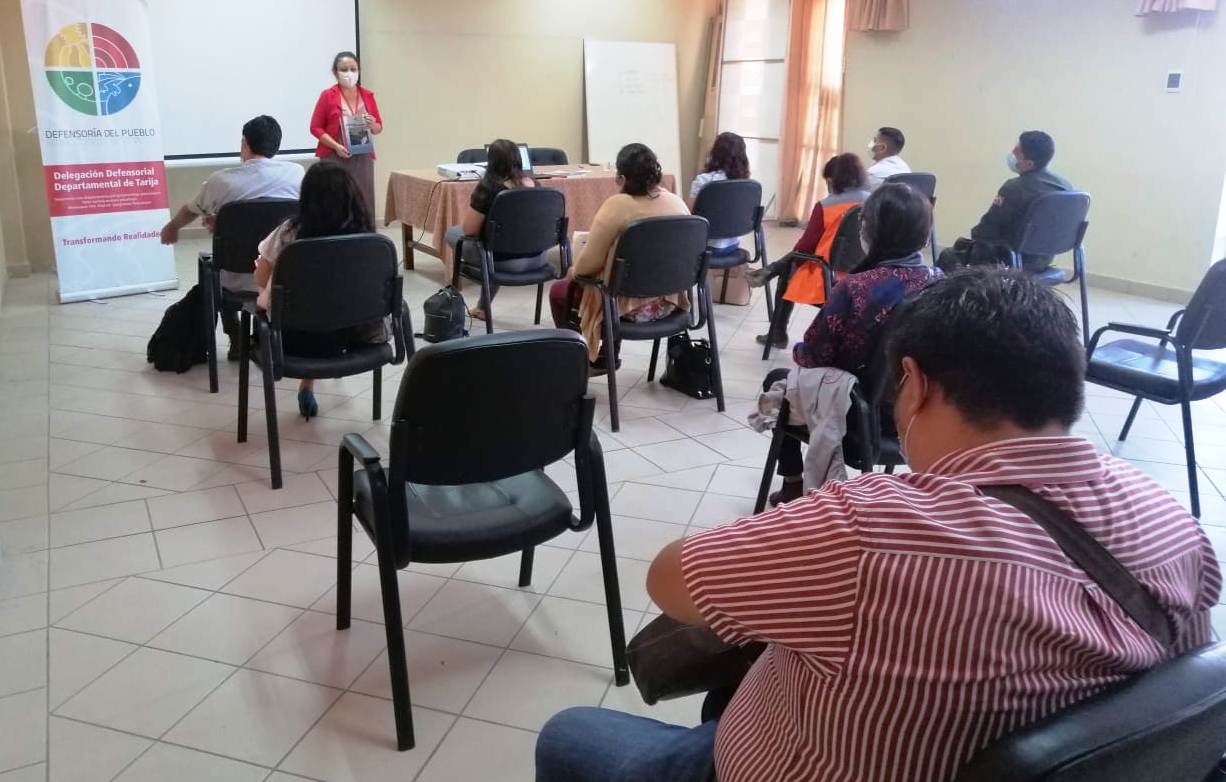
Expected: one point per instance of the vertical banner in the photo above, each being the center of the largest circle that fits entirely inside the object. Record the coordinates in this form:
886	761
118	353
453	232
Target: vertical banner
95	96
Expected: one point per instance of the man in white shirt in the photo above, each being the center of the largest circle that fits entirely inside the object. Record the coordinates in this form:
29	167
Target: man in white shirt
884	149
259	176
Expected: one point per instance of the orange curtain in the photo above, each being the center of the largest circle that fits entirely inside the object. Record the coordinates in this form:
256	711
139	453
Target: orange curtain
875	15
1171	6
813	101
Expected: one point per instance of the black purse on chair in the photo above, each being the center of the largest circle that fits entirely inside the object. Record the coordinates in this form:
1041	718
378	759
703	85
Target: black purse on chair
688	367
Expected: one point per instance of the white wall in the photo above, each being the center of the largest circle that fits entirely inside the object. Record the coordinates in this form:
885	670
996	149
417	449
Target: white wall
970	74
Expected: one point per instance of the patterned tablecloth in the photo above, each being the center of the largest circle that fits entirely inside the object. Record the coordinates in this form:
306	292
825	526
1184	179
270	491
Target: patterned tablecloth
425	203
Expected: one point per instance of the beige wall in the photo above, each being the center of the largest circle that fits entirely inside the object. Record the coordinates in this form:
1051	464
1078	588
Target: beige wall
969	75
23	208
448	75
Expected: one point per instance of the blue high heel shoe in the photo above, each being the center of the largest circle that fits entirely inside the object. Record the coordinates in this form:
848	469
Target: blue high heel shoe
307	404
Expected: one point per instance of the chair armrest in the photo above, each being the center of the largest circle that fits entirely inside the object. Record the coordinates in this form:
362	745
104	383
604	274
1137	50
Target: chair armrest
1170	324
1139	331
594	282
358	448
1162	335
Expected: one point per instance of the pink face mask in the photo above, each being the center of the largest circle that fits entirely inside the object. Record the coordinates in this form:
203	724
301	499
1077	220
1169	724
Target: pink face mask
347	78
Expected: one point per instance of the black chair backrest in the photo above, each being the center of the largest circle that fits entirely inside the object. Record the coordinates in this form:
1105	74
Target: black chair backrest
470	156
334	282
1203	325
1055	223
924	184
242	225
1163	725
547	156
657	256
846	252
489	407
730	206
524	221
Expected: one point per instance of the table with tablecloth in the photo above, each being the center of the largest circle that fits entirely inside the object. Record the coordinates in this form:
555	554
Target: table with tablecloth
426	204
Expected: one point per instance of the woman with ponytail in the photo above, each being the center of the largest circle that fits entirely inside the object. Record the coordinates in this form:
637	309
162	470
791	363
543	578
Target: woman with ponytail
639	175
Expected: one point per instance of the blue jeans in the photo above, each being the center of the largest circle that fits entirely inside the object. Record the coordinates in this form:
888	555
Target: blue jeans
585	744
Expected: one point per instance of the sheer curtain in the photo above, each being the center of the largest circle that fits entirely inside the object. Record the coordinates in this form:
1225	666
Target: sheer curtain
1171	6
880	14
813	101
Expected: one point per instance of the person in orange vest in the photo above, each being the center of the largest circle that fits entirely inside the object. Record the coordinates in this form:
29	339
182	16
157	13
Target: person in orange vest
847	182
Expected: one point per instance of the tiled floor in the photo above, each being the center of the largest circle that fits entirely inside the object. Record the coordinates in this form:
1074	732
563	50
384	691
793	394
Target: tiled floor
163	613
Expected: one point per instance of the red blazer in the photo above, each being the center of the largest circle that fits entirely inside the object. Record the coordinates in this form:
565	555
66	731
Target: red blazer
327	116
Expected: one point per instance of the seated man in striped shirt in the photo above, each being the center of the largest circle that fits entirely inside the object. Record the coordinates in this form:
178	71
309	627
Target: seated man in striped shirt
910	619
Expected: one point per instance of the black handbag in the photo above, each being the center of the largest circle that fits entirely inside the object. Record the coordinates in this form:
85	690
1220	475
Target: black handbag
688	367
446	316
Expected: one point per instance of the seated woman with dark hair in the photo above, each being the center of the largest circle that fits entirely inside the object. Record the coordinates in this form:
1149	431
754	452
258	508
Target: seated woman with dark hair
894	227
331	204
639	174
726	160
503	171
848	185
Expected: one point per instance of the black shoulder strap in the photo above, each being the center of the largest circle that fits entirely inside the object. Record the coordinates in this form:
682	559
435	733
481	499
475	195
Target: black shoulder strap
1092	557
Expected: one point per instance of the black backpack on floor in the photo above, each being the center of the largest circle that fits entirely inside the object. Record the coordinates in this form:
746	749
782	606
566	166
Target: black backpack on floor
446	316
179	342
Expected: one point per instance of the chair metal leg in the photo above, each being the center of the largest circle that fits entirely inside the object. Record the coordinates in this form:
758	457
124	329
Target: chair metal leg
655	355
540	296
270	415
525	566
1085	304
208	301
244	375
1132	414
716	376
377	403
610	360
1190	453
612	592
344	552
768	470
486	288
397	662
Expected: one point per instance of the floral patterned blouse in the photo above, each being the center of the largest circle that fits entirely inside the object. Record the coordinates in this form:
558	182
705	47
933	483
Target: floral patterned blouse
845	330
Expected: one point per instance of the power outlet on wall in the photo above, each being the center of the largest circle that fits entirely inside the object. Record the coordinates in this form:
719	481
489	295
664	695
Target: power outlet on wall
1174	81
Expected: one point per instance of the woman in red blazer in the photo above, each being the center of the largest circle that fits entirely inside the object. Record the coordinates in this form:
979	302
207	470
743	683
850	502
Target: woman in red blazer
345	116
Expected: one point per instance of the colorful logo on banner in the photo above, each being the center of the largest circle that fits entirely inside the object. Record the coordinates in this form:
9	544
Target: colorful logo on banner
92	68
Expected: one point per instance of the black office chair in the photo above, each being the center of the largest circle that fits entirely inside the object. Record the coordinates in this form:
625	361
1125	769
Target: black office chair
658	256
239	228
522	222
846	253
871	439
469	156
464	478
1172	375
1165	725
733	208
547	156
926	185
1056	224
325	285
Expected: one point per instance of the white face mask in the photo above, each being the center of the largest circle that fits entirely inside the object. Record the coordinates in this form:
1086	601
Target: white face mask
1011	162
872	149
347	78
905	430
864	243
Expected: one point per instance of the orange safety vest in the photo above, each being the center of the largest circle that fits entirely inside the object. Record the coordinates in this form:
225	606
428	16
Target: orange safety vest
808	284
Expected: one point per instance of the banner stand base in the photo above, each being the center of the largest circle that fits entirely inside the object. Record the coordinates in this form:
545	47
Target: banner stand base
125	290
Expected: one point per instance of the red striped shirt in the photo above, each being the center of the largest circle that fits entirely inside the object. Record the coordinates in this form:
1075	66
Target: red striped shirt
912	620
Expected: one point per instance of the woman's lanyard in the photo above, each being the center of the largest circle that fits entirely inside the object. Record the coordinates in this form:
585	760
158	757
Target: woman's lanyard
353	107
